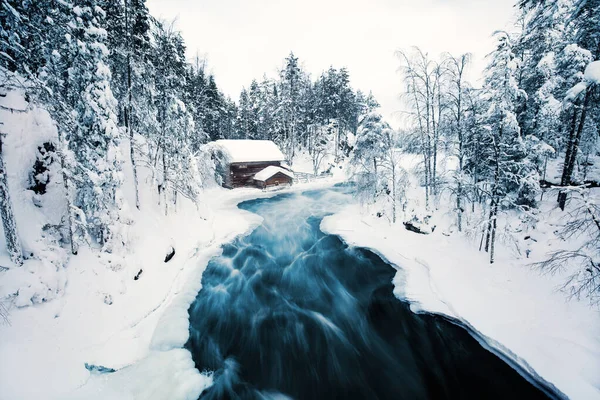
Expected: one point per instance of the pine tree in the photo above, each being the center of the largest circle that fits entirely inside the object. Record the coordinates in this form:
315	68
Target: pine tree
214	110
254	110
195	98
509	172
244	116
291	83
94	142
127	22
377	163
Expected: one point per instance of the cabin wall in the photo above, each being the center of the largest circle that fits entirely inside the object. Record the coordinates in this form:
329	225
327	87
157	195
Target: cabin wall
242	174
278	179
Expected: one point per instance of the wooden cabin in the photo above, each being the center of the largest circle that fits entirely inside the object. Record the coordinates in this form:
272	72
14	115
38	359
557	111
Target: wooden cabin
273	176
238	162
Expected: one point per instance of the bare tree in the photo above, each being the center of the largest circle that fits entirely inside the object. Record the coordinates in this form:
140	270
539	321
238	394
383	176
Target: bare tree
456	67
582	264
318	150
423	92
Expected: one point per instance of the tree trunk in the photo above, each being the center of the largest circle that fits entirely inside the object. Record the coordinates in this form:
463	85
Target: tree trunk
572	149
393	187
67	186
13	244
493	238
459	206
164	182
488	235
128	109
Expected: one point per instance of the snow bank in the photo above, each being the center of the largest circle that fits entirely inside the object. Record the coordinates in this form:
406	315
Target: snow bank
42	277
517	312
249	150
161	375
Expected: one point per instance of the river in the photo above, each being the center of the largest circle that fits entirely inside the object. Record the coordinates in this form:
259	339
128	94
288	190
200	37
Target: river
290	312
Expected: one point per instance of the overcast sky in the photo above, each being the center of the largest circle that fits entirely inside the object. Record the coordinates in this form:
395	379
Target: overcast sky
244	39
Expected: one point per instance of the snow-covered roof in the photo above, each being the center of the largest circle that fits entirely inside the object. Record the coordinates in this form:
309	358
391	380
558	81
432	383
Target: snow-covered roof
249	150
271	171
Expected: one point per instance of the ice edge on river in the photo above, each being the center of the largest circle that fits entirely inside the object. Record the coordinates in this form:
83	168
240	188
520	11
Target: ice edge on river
433	304
172	330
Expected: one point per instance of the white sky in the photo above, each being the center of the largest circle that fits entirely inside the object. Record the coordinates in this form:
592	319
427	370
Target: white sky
244	39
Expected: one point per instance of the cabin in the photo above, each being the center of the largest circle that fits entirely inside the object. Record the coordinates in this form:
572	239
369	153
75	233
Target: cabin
250	163
273	176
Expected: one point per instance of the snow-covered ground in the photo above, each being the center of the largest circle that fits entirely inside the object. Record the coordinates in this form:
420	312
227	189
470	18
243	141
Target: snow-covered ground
515	310
65	312
141	334
92	310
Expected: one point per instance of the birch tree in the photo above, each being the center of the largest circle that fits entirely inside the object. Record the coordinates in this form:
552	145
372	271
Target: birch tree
457	107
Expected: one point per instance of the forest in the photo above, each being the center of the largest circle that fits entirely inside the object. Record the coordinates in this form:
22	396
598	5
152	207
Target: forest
530	131
109	73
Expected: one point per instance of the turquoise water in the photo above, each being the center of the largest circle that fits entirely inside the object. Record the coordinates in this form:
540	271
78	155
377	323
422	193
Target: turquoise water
288	311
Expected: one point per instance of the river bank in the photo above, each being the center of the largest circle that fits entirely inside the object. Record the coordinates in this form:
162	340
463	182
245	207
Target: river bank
515	310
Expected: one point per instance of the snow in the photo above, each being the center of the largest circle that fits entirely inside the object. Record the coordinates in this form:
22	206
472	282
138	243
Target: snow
270	171
60	318
590	76
66	312
575	91
592	72
249	150
513	309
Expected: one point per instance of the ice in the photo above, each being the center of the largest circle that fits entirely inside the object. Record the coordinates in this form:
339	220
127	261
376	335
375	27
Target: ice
159	376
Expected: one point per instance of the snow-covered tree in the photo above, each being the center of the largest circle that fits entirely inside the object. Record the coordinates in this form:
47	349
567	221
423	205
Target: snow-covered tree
128	25
10	49
423	80
512	180
291	86
457	108
376	161
95	138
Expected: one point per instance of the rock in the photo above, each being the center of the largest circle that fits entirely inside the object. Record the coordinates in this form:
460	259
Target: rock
170	254
414	228
418	225
108	299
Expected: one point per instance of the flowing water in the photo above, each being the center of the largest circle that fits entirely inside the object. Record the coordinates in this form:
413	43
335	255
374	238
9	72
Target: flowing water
289	312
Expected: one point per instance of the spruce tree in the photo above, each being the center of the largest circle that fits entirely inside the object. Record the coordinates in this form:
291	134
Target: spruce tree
95	138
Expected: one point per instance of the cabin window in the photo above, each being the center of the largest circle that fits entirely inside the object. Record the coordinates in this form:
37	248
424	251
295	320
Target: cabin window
242	166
